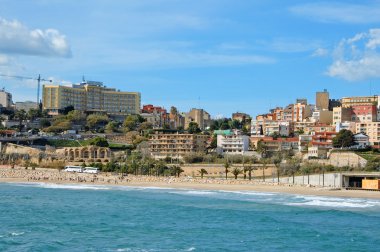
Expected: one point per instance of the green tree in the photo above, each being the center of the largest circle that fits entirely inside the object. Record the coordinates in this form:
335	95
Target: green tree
214	142
99	141
34	113
202	172
235	124
44	123
193	128
145	126
111	127
21	115
236	171
75	116
345	138
262	148
131	122
97	120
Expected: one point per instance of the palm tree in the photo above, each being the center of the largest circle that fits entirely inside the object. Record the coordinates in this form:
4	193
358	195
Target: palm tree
226	166
250	169
177	170
277	162
236	171
295	165
202	172
306	169
264	162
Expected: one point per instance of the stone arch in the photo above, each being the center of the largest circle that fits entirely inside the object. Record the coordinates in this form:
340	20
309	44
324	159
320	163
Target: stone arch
71	154
86	153
102	153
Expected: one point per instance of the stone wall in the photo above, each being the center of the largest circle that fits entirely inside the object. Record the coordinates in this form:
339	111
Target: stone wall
341	159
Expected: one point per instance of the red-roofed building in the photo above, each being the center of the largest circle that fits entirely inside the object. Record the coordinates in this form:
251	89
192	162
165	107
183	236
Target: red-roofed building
323	139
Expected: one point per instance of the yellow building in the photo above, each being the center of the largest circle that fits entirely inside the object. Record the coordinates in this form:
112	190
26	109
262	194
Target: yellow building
90	97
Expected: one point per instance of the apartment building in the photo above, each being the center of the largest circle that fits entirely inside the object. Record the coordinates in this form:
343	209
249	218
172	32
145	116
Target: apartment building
233	143
172	144
5	99
297	112
341	114
323	139
90	96
364	113
280	144
371	129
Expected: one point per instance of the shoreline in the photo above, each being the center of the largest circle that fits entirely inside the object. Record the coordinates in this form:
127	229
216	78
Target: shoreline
50	176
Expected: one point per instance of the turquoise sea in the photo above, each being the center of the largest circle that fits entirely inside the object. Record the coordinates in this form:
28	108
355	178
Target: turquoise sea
49	217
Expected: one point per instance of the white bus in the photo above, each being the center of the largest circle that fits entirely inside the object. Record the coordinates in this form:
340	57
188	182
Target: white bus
91	170
73	168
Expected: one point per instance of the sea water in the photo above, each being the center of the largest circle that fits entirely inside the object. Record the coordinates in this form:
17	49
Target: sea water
50	217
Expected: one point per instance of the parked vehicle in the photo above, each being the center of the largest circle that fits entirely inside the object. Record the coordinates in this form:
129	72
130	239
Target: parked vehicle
93	170
73	168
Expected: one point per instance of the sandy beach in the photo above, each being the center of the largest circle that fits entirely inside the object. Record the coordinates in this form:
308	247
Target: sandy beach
20	175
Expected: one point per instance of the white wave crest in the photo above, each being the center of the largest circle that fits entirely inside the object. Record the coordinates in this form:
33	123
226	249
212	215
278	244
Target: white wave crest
334	202
71	186
17	233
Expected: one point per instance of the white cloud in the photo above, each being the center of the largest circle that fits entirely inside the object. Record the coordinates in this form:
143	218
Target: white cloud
357	58
320	52
339	12
16	38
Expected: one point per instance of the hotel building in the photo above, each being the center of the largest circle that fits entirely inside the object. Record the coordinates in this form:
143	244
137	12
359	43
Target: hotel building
175	145
90	96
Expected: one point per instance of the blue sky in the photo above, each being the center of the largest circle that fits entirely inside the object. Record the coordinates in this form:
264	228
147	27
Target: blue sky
221	55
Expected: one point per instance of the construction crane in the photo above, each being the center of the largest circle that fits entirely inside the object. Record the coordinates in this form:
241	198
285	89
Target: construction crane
38	79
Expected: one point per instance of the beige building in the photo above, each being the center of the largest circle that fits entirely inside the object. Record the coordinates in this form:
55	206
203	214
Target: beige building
359	100
371	129
322	100
341	114
27	105
5	99
323	116
201	117
90	97
175	145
